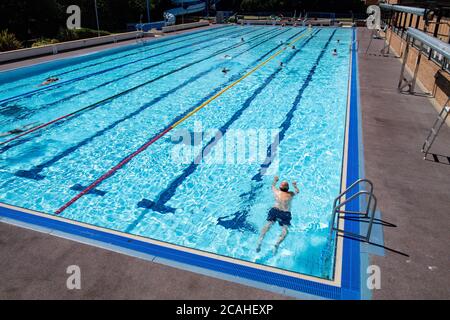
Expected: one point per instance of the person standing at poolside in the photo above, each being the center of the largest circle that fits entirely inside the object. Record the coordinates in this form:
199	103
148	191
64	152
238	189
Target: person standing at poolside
280	212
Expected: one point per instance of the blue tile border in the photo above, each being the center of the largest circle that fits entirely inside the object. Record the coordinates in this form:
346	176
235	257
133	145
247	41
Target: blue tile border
351	265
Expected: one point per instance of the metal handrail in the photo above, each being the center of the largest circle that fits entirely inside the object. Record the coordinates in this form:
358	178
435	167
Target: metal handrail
369	212
437	125
347	200
357	182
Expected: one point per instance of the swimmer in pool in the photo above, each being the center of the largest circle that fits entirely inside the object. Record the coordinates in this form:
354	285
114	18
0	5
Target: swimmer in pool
225	70
280	212
294	47
48	81
281	64
227	56
18	130
334	52
242	40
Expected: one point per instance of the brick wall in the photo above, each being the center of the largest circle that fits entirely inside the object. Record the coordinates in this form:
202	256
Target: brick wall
430	75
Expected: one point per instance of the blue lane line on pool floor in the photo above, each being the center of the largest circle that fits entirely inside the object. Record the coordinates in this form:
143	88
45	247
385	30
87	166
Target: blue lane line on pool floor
196	260
22	140
79	187
238	220
63	83
119	79
160	204
152	139
34	173
147	46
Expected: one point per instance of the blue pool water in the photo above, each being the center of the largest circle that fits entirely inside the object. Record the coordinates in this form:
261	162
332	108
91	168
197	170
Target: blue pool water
217	206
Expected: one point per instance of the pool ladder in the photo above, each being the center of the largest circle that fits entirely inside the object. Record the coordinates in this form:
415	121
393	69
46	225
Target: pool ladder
350	47
362	191
435	129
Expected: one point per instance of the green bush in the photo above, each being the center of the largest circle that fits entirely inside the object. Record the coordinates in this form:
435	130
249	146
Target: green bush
8	41
77	34
43	42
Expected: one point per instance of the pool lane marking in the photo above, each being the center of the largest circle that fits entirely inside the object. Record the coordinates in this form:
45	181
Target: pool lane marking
34	173
119	79
83	77
169	128
60	84
238	219
204	104
148	45
99	103
160	204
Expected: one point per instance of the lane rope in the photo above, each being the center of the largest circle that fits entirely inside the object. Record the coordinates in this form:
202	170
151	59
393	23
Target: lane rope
126	91
110	172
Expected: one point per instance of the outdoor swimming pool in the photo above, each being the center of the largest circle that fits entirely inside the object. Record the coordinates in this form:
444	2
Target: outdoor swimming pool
109	155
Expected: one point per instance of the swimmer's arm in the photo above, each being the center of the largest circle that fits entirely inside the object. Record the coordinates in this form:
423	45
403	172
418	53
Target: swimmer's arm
295	188
274	183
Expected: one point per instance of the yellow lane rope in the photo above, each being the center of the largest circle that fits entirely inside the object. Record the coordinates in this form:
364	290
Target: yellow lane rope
262	64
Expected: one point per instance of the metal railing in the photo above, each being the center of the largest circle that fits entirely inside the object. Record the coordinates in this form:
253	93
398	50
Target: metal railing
434	131
363	188
429	53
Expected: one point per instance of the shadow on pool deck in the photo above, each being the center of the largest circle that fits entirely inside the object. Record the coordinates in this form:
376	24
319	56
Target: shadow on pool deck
413	194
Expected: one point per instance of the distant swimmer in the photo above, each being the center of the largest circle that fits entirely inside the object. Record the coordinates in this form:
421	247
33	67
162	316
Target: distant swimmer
281	64
242	40
338	41
49	80
18	130
335	52
225	70
294	47
227	56
280	212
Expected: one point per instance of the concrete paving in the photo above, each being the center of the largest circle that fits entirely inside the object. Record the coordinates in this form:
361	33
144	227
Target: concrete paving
33	266
413	194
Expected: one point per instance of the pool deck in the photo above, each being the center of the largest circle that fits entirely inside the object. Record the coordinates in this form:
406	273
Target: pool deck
412	194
